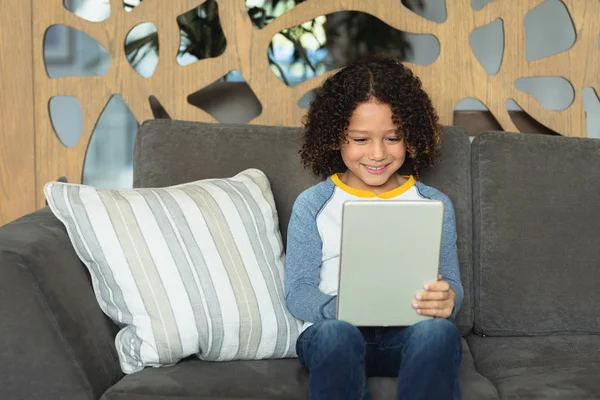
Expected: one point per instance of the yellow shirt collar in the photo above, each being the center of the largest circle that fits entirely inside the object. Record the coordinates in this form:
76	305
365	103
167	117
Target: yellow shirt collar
410	182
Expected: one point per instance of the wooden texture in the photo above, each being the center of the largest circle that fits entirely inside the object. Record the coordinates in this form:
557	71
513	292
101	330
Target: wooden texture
17	163
455	75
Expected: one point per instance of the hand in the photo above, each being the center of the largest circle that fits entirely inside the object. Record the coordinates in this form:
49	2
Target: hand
436	301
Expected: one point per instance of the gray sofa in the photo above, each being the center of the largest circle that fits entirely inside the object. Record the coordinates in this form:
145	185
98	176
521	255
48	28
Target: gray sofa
528	221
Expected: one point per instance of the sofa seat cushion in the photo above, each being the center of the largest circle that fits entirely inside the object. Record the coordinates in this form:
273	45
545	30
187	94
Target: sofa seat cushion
264	379
551	367
196	379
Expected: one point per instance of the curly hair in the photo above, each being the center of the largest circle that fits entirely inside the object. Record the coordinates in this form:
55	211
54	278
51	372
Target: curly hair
380	78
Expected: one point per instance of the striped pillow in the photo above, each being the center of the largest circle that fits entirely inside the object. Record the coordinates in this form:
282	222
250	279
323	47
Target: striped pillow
190	269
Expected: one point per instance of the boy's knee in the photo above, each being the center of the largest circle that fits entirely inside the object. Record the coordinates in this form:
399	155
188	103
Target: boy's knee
333	345
436	330
334	332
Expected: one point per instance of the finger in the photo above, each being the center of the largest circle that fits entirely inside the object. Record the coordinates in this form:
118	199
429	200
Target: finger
428	284
439	277
438	286
432	295
437	313
428	305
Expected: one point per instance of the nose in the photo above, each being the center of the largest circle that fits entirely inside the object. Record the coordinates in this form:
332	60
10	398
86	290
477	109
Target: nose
378	152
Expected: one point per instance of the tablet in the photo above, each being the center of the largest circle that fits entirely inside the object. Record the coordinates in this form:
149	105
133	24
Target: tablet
389	251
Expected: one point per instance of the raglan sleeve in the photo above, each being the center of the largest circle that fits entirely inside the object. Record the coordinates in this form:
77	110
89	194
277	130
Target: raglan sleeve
304	299
449	268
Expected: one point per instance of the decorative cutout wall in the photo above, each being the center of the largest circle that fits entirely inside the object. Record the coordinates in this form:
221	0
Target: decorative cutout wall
454	75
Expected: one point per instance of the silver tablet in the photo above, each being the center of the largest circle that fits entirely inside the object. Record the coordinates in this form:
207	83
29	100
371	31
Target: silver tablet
389	251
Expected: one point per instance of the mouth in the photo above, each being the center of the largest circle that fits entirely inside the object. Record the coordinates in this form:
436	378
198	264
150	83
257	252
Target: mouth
376	170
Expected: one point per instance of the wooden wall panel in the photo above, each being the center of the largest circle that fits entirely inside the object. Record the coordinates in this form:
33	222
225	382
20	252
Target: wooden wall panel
455	75
17	169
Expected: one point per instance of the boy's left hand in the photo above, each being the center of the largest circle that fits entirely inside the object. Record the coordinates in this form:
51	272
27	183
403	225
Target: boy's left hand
436	301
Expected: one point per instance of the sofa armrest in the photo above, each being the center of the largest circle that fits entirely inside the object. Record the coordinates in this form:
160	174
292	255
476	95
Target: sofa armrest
55	340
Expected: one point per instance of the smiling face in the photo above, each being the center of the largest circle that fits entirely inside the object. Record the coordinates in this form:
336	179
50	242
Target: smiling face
372	151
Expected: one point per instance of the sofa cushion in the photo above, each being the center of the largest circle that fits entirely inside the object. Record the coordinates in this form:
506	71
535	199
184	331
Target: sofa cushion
549	367
253	380
169	152
452	176
195	268
536	236
195	379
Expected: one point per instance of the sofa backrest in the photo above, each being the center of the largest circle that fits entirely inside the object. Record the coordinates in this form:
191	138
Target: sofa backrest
536	234
171	152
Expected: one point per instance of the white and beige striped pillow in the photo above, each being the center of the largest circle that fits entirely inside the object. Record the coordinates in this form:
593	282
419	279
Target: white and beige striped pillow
190	269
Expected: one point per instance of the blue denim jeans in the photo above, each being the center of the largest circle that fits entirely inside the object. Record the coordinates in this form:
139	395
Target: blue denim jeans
339	357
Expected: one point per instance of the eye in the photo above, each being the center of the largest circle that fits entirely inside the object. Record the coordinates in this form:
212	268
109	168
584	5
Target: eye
359	140
393	139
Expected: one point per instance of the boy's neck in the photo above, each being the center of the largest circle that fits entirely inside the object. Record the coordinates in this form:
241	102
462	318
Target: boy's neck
394	182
